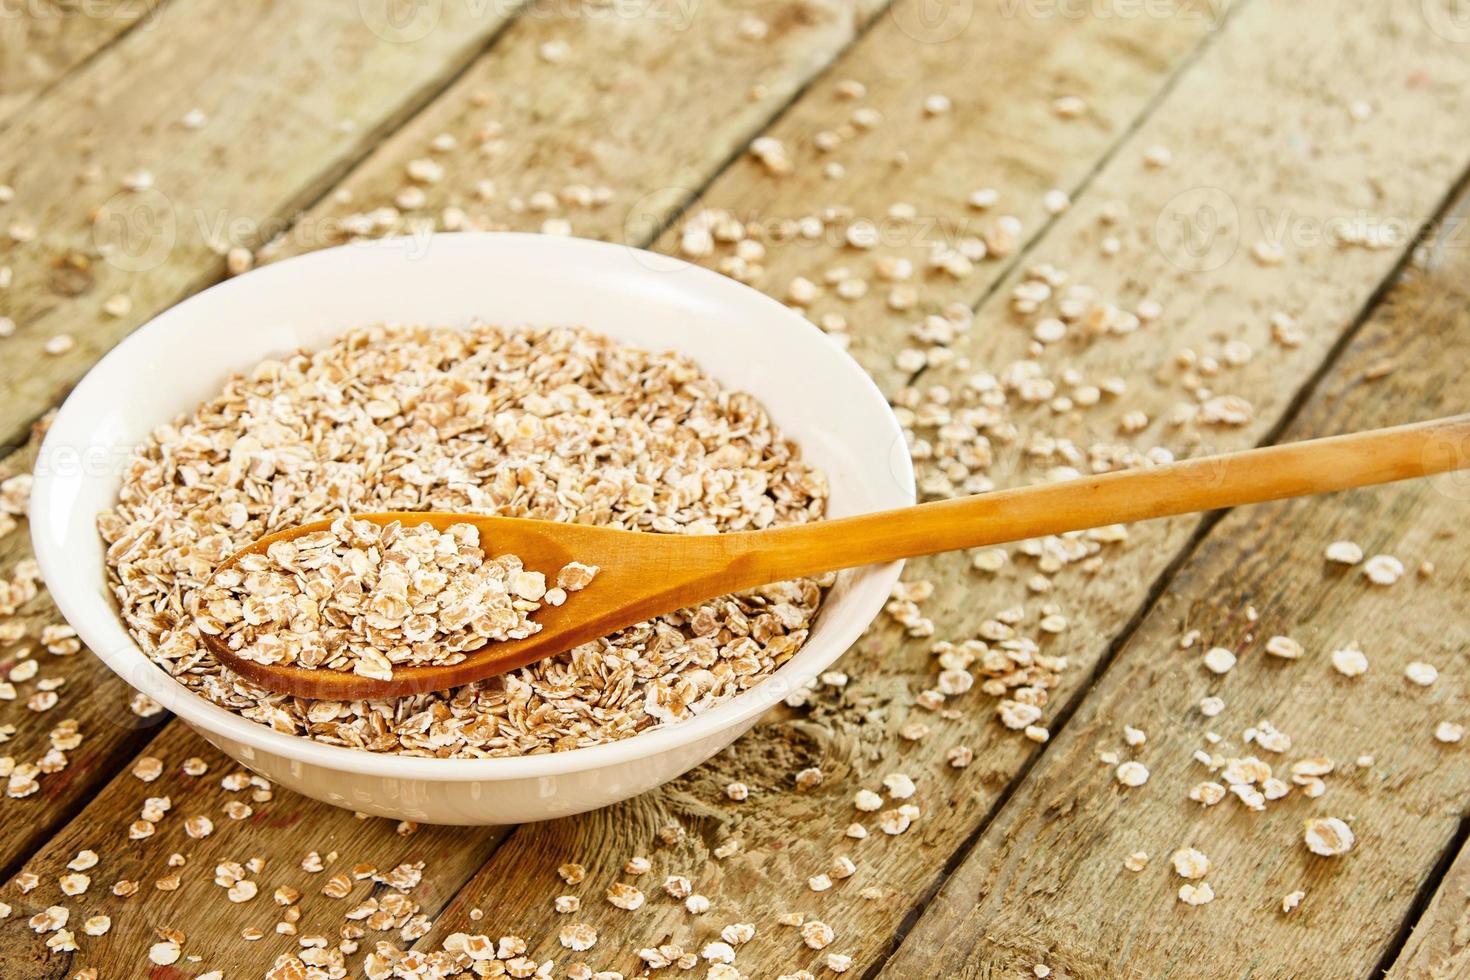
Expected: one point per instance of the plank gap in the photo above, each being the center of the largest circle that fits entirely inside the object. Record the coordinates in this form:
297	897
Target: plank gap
55	818
1423	896
154	7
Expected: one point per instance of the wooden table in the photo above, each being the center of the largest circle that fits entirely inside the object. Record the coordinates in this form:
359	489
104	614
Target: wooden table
1310	204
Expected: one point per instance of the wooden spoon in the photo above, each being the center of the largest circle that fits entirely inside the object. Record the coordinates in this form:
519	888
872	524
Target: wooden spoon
644	575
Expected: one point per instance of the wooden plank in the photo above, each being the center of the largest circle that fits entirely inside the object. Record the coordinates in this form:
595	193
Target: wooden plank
853	735
96	699
1047	884
289	98
42	40
520	127
280	831
1439	946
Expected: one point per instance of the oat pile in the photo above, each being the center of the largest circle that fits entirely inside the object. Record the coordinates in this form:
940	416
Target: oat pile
365	598
555	424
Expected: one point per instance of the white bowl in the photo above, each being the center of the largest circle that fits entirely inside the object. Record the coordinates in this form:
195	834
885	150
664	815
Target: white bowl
746	340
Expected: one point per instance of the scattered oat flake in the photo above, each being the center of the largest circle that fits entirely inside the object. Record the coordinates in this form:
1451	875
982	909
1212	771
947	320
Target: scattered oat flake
1219	660
1284	647
1158	156
1196	894
1350	661
1383	569
817	935
1421	673
1328	836
61	343
1068	106
164	953
578	937
1132	773
625	896
1190	863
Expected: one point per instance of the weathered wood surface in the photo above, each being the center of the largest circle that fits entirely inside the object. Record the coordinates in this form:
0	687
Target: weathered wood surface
1282	148
853	737
1047	884
1003	134
280	831
291	96
1439	947
92	695
42	40
590	119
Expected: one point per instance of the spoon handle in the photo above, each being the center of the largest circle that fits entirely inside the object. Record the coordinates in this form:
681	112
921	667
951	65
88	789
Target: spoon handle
1211	482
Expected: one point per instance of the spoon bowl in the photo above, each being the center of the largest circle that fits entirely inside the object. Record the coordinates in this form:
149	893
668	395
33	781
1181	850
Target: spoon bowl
639	577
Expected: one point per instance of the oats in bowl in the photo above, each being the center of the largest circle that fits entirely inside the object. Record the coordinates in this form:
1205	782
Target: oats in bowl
554	424
365	598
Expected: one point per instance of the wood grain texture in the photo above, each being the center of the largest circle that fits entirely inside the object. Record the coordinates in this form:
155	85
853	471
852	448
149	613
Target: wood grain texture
292	96
1000	132
280	832
852	735
42	40
1439	946
390	177
92	695
1046	883
1397	164
647	107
